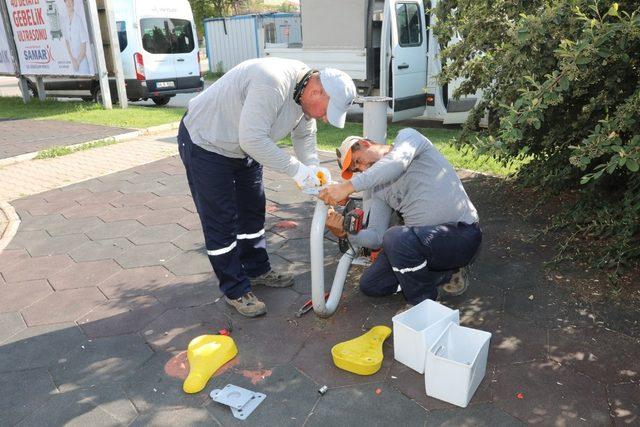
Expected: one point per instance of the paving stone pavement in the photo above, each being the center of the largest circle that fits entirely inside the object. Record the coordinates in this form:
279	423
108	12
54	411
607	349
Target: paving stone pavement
27	136
107	281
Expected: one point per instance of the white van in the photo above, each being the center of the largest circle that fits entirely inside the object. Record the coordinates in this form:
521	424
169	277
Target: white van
159	51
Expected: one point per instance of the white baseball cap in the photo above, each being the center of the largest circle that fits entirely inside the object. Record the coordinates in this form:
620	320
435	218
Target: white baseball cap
341	91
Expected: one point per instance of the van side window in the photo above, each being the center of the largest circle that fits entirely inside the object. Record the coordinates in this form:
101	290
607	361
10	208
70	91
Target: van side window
409	24
166	35
122	34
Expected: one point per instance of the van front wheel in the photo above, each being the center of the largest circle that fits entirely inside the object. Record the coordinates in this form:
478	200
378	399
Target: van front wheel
161	100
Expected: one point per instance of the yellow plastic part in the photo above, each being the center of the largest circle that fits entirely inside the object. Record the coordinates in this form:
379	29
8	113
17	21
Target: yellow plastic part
206	354
322	178
361	355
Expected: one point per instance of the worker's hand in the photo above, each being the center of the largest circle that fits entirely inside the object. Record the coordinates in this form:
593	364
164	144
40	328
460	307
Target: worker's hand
335	193
305	178
323	174
334	224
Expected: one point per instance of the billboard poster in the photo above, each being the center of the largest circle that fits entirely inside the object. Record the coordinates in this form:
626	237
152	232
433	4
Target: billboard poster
52	37
6	63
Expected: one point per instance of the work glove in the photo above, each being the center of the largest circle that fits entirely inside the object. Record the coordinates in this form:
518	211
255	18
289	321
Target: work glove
323	174
306	178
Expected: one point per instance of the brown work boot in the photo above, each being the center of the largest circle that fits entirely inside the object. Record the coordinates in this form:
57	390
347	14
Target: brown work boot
248	305
273	279
458	284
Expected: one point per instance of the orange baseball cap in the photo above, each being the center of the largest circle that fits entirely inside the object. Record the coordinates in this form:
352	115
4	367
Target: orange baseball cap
344	155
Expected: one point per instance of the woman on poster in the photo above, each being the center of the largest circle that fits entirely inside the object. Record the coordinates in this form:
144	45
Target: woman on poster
77	37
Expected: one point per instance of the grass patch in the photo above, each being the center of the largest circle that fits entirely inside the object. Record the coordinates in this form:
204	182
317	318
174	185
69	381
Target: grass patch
212	76
329	138
63	151
135	116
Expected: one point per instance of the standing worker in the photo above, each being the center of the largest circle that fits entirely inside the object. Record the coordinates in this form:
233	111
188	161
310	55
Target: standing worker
228	134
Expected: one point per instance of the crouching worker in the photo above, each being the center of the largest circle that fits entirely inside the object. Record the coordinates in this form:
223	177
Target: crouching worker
440	235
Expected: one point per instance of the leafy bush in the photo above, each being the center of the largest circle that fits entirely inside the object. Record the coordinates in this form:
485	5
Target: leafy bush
561	84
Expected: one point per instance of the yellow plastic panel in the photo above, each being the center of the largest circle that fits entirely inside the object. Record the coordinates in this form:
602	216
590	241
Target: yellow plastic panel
206	354
361	355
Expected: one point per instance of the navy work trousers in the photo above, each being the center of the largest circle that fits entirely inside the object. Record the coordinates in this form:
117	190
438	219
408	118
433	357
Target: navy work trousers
229	196
420	259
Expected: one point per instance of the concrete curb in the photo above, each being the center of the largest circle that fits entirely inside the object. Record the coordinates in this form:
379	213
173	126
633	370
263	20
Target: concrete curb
117	138
11	228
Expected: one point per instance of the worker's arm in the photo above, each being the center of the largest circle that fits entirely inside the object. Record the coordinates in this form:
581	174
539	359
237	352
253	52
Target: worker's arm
303	138
408	144
379	219
258	114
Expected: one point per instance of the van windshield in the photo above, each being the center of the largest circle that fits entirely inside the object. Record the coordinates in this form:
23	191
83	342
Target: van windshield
166	35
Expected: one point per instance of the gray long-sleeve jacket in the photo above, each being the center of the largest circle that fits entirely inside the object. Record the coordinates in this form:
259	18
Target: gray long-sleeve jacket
417	181
249	109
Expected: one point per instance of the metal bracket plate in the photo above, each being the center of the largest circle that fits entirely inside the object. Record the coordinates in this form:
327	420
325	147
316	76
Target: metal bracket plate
247	409
232	396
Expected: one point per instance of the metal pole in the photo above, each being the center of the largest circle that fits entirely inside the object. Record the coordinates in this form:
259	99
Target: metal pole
101	65
22	81
374	119
114	45
40	87
24	88
316	240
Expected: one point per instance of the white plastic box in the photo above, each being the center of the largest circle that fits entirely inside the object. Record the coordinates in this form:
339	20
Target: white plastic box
415	330
456	364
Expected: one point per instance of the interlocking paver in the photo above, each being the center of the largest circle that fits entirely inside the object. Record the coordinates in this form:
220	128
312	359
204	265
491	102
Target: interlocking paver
162	216
190	291
513	342
157	234
168	202
605	356
290	397
190	221
100	249
196	417
41	222
135	281
124	213
133	199
84	274
546	307
101	361
345	404
73	226
40	346
188	263
16	296
551	394
35	268
483	415
112	230
10	324
62	306
40	243
120	316
86	211
175	328
192	240
625	403
148	255
29	389
102	198
151	388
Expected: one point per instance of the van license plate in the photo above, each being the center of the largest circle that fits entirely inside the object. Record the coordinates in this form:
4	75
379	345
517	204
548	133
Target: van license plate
165	85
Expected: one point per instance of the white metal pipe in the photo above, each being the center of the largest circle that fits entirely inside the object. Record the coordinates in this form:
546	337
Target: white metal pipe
374	118
322	308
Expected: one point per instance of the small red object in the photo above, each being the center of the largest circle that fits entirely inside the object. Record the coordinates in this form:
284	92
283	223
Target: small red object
223	332
378	391
520	396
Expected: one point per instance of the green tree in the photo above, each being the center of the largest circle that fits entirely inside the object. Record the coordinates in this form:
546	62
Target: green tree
561	84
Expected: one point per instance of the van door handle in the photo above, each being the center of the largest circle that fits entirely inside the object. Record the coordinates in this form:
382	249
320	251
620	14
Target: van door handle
182	60
403	66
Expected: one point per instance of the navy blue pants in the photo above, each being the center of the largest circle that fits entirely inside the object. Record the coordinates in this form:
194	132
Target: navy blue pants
420	259
229	196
